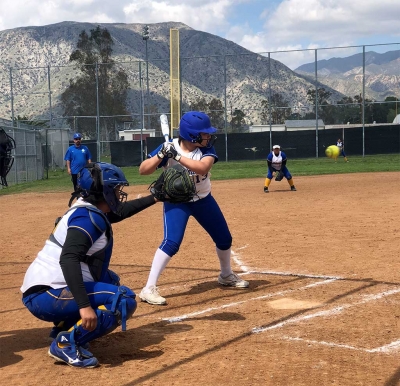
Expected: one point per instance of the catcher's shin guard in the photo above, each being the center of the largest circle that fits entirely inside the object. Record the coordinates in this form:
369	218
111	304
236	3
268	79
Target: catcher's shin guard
108	318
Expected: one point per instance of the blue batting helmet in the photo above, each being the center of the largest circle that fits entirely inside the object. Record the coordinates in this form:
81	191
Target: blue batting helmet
101	178
192	124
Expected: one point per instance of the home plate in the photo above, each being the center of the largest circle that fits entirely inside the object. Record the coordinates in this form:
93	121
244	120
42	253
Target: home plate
292	304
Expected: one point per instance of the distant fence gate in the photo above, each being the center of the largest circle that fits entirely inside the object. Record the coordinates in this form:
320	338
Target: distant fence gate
36	151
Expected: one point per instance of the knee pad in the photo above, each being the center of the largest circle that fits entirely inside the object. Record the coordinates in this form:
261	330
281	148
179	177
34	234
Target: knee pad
123	305
169	247
108	319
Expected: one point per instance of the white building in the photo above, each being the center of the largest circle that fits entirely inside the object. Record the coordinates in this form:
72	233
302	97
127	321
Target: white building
135	134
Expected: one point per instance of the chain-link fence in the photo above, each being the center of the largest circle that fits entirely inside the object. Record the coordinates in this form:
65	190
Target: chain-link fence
243	92
36	151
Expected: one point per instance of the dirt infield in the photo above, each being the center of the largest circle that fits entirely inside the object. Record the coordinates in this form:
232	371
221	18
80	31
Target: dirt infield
323	307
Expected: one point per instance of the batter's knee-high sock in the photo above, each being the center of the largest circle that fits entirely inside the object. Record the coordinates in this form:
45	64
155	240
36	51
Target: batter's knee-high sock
224	261
267	182
291	183
160	261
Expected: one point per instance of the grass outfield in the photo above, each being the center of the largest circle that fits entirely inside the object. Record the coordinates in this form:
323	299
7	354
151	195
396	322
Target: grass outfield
61	181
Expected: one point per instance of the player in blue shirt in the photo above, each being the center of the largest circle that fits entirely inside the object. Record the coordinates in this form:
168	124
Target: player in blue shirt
69	282
77	156
194	150
276	161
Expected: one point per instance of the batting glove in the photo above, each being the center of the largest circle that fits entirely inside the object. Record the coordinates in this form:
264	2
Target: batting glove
173	153
163	151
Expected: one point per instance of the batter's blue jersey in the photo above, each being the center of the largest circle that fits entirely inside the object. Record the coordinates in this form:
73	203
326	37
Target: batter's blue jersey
78	156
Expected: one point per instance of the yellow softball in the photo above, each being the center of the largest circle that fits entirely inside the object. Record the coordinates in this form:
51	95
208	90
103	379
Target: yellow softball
332	151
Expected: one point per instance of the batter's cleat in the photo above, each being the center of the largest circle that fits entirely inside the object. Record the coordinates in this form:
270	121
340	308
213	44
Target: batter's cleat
233	280
152	296
292	188
63	351
266	189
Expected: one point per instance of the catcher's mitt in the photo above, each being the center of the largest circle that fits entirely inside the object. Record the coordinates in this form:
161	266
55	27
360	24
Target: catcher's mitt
279	176
174	185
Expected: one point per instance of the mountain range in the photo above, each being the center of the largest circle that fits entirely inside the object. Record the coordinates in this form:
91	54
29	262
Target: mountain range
382	74
208	62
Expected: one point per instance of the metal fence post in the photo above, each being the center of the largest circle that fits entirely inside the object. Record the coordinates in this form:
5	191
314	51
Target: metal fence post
12	98
316	103
269	102
141	110
97	113
363	105
49	88
226	115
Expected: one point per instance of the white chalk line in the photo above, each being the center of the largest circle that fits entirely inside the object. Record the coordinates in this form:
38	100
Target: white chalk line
247	271
208	310
332	311
391	347
386	349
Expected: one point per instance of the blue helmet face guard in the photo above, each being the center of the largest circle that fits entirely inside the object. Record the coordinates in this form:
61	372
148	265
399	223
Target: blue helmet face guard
102	178
193	124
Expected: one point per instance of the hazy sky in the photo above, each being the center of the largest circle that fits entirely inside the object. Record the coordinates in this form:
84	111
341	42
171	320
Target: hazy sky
258	25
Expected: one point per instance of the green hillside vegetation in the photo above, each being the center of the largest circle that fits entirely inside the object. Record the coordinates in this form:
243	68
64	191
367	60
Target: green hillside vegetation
60	180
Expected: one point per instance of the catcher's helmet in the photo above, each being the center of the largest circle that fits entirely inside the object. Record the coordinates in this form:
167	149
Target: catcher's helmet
101	179
192	124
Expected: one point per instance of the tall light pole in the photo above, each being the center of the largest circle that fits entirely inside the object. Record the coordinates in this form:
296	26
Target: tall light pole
145	36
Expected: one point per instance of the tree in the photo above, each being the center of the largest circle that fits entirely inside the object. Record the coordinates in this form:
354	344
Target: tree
280	110
238	122
216	113
27	121
325	110
93	58
214	109
200	105
385	112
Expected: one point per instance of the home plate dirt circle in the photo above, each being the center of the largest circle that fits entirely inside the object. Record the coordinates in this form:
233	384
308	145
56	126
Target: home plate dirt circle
292	304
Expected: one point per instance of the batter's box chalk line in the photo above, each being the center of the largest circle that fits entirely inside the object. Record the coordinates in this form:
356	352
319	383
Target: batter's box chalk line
329	312
237	258
386	349
209	310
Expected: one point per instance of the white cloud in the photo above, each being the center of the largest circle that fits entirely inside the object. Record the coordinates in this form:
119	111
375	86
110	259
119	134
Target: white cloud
310	24
205	15
333	21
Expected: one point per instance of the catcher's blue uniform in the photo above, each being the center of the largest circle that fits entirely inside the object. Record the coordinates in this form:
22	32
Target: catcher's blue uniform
81	245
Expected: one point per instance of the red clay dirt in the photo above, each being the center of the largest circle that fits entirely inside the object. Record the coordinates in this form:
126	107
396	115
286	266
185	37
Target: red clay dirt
323	307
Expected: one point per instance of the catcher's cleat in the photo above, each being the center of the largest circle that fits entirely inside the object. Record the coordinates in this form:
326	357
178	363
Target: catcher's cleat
292	188
54	332
152	296
62	350
233	280
266	189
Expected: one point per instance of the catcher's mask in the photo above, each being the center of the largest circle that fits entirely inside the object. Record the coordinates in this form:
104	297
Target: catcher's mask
192	124
101	179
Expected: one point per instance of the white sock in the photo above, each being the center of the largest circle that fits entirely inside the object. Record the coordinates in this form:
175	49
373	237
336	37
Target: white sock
160	261
224	261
